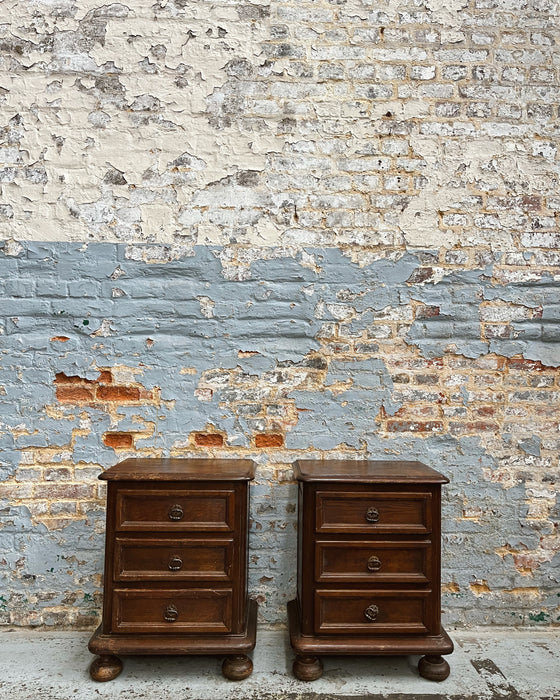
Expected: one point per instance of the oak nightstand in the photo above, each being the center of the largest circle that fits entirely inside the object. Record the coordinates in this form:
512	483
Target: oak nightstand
368	564
175	577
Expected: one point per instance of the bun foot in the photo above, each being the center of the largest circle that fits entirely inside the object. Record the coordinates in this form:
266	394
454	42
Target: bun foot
105	668
434	668
307	668
237	668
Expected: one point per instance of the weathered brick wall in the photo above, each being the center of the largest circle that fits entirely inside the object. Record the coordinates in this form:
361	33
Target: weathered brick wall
273	230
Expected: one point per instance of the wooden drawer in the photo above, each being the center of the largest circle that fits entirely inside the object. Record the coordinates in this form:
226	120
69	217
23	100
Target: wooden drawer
373	513
172	611
183	510
371	612
373	562
143	559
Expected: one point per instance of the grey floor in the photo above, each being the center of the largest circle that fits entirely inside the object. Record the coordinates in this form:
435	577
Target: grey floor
487	664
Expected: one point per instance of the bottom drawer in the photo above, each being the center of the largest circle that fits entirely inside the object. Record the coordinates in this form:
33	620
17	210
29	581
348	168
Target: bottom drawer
372	612
172	611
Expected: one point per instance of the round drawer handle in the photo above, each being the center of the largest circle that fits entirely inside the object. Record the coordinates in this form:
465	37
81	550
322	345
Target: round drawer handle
176	512
171	613
175	563
371	612
372	515
374	563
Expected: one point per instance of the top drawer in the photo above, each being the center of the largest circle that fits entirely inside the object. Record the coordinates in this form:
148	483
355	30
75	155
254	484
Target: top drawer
373	513
183	510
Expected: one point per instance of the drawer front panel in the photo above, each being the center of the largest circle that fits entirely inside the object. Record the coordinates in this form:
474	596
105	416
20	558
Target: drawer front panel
371	612
183	510
142	559
374	562
172	611
373	513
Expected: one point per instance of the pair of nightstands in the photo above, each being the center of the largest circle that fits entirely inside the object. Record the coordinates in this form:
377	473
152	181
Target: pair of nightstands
176	564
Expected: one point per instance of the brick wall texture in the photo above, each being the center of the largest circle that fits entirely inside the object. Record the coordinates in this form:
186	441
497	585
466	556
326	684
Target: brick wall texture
281	229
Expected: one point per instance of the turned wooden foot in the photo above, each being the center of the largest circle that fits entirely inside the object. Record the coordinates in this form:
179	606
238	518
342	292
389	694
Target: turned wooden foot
434	668
105	668
307	668
237	668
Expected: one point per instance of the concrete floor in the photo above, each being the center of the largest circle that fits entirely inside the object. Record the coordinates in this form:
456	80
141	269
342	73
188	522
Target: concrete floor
488	664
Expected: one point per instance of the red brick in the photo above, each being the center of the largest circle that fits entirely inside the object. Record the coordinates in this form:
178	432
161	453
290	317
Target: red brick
118	394
68	491
409	426
74	394
61	378
421	274
427	311
270	440
530	365
105	376
118	441
485	411
209	439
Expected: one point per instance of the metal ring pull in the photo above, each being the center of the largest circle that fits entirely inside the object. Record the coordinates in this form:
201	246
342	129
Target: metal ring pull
371	613
372	515
374	563
171	613
176	512
175	562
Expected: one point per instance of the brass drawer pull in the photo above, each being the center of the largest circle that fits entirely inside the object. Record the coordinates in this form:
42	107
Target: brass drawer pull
176	512
175	563
171	613
371	612
374	563
372	515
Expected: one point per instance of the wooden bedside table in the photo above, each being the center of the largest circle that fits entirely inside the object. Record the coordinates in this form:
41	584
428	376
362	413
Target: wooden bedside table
176	563
368	564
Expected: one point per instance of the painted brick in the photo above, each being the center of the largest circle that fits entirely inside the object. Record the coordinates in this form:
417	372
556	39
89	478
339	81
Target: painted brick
345	244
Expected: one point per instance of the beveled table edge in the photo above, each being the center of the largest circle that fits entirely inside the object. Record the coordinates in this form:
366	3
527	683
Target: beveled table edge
367	471
181	469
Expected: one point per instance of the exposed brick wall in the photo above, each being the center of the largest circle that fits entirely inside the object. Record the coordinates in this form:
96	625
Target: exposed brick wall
343	360
275	229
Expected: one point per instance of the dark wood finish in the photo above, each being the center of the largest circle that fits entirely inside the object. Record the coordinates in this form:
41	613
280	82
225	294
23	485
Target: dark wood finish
237	667
172	611
186	510
354	645
307	668
368	563
181	470
366	612
105	668
176	554
178	644
366	471
149	559
434	668
374	563
367	513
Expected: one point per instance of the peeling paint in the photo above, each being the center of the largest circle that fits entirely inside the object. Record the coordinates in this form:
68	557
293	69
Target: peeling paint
275	229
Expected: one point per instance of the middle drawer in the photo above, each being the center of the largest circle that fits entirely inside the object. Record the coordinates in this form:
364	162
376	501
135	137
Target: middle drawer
144	559
373	561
